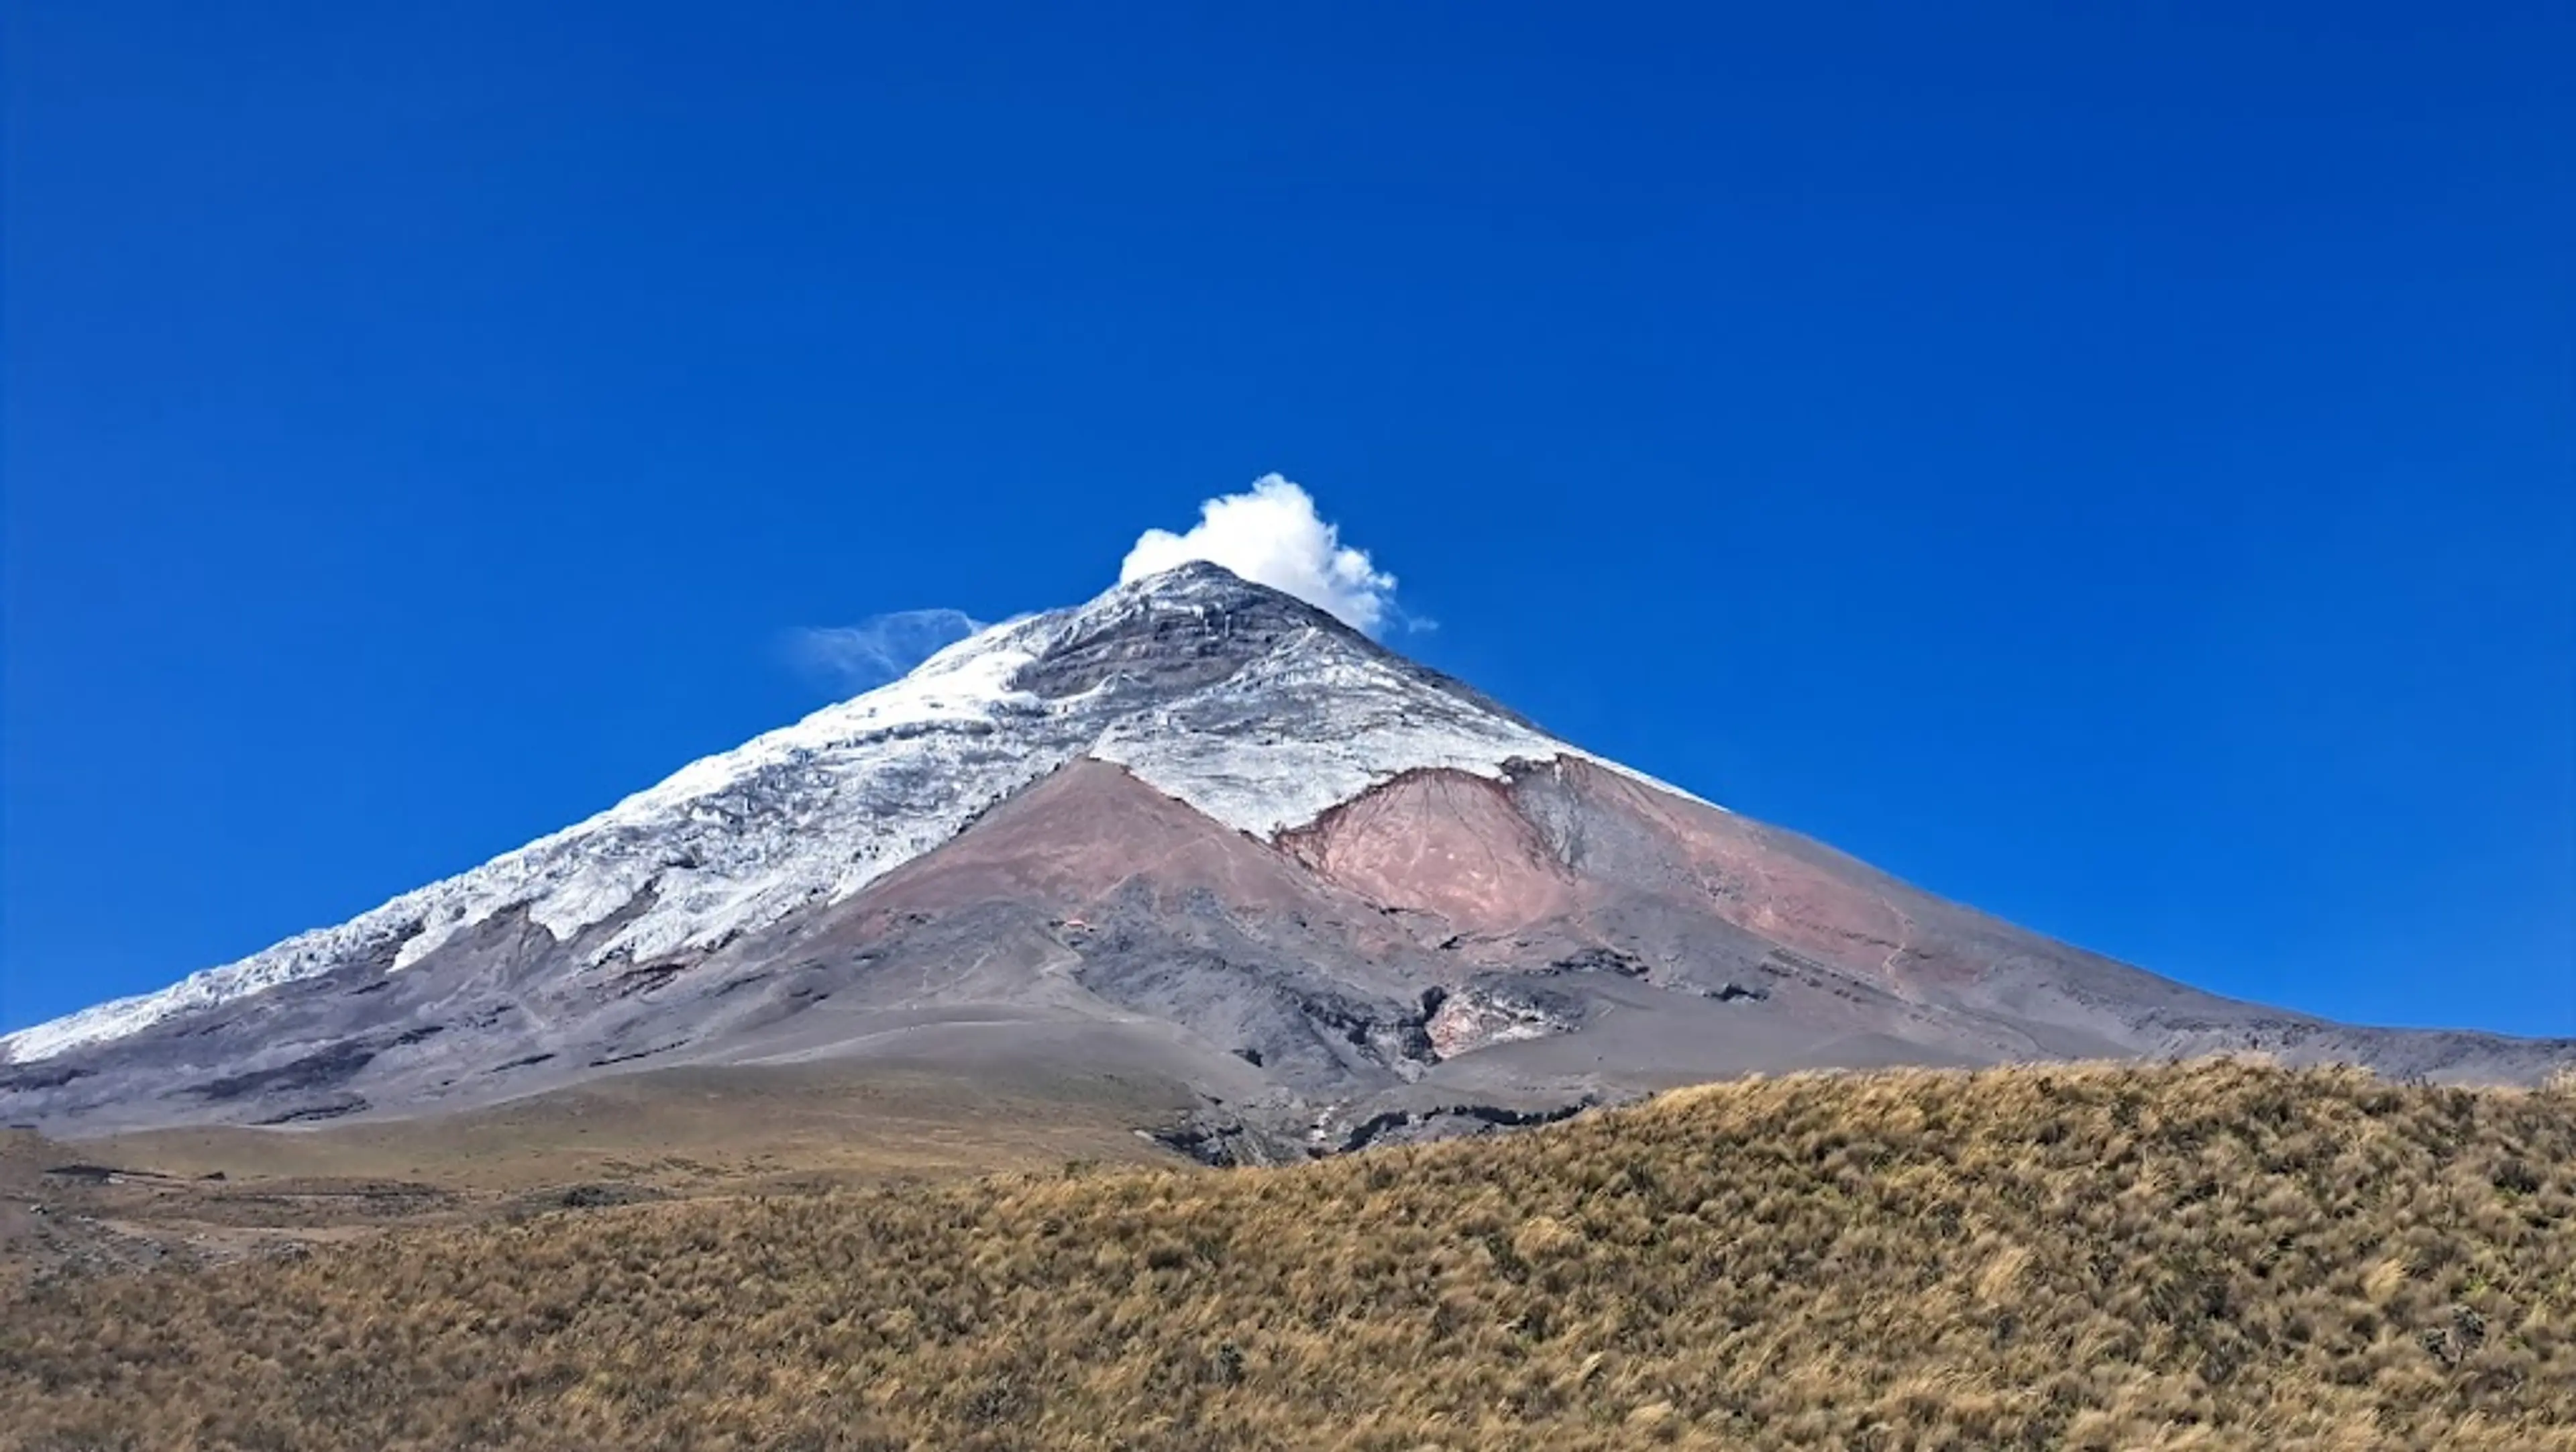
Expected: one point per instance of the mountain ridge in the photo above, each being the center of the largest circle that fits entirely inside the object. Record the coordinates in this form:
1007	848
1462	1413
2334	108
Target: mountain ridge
1243	848
959	691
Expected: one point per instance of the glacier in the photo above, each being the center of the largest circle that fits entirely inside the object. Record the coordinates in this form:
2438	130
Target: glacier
813	812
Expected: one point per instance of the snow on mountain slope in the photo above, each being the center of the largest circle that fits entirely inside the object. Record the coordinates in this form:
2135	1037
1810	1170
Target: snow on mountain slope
1255	709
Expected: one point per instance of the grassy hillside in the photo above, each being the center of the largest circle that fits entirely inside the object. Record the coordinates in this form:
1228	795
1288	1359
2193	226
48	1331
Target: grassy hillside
220	1192
2209	1255
678	1129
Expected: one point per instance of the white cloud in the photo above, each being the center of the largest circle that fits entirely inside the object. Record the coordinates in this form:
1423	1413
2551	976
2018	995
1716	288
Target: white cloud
878	649
1270	534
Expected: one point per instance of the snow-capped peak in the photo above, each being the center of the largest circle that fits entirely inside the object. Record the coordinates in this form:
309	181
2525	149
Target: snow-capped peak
1256	709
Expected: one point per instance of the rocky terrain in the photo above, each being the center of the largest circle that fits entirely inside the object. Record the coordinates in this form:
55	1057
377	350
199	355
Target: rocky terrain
1195	833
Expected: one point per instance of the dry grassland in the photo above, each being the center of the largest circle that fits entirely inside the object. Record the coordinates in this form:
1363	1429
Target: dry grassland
2212	1255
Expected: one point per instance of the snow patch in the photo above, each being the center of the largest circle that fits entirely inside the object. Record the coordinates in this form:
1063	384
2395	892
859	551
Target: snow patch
1368	723
730	843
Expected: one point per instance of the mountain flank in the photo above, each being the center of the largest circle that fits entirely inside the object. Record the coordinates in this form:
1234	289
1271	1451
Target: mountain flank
1212	835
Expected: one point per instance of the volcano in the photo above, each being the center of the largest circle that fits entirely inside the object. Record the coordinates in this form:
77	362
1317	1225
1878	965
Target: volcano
1195	830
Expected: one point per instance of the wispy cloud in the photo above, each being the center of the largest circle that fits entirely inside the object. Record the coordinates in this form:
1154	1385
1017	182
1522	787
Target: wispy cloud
853	658
1271	534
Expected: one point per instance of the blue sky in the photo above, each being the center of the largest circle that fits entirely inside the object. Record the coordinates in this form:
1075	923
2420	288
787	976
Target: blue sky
2116	470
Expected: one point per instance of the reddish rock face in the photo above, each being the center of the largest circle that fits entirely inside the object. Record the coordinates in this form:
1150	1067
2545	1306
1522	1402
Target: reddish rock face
1777	886
1443	843
1466	852
1090	833
1834	908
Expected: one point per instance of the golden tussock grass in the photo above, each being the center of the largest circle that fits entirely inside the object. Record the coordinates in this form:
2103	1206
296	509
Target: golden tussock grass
2211	1255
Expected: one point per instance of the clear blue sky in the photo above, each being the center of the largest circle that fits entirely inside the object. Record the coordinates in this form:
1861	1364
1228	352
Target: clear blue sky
2117	471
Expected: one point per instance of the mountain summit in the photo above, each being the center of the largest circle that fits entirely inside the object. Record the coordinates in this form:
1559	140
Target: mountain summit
1194	827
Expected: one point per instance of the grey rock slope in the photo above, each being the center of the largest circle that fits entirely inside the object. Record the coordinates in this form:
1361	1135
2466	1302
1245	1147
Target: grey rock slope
1195	828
